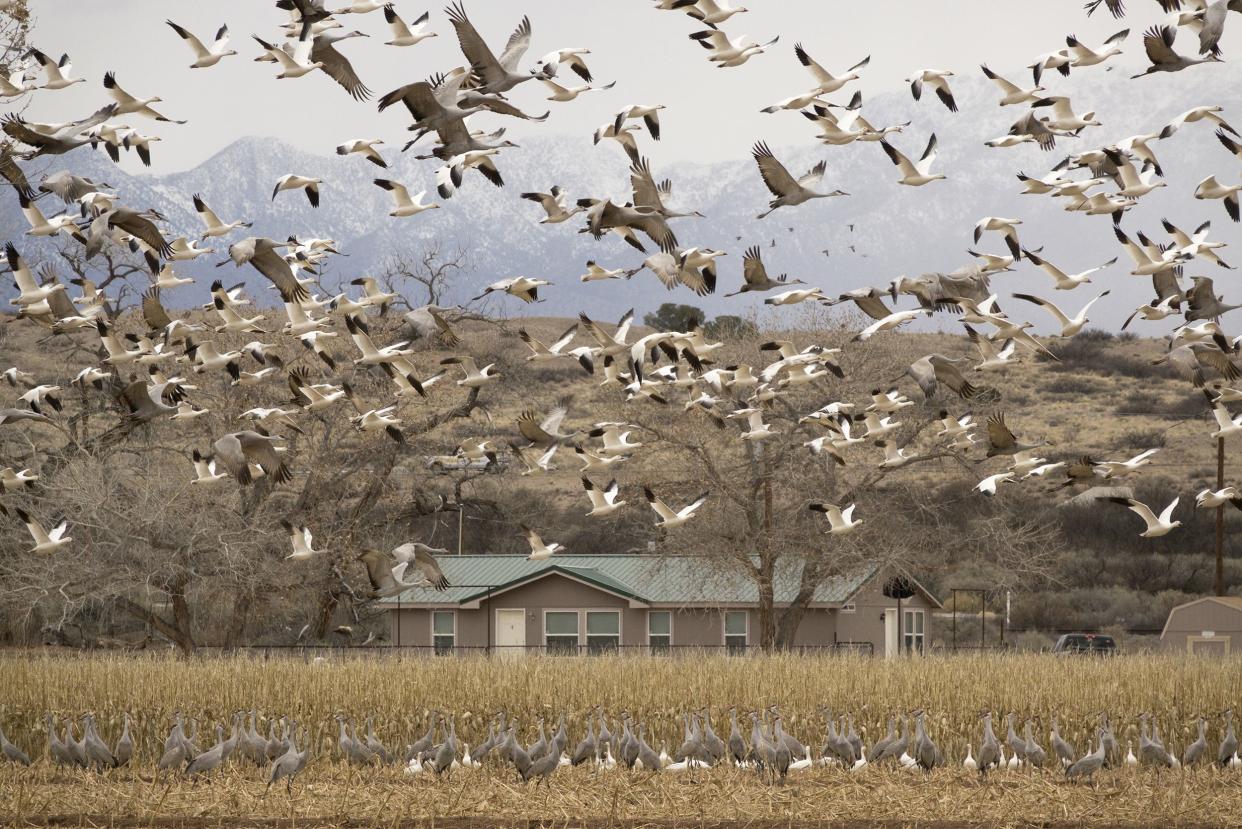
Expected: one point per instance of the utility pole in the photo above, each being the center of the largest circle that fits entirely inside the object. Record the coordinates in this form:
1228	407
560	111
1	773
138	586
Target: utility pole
1220	518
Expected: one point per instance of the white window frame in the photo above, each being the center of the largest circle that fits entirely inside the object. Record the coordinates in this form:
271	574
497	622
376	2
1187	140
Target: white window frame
913	642
669	646
585	635
724	628
577	614
848	607
432	622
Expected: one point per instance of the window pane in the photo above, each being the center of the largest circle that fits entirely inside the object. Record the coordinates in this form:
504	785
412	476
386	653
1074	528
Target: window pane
602	644
442	622
661	644
443	645
603	623
735	623
735	644
562	622
562	644
659	623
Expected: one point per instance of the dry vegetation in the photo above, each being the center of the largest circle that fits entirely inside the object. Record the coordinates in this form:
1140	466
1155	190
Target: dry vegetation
401	694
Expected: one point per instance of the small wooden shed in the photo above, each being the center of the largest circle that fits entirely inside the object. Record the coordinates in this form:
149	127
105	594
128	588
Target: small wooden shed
1212	625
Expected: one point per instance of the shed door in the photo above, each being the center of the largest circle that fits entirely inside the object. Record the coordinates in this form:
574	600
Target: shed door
511	632
890	632
1216	646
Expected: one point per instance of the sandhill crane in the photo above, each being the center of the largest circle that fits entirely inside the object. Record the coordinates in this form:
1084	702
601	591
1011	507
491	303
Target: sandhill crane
788	191
1158	43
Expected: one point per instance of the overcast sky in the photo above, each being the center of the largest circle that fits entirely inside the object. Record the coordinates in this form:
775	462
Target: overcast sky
713	113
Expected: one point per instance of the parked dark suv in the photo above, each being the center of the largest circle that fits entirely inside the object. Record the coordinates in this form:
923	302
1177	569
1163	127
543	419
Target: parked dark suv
1089	643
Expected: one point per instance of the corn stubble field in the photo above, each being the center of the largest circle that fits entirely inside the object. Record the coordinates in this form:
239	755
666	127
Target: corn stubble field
402	694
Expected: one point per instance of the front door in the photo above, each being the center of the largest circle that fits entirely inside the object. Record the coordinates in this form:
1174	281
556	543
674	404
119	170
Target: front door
511	632
890	633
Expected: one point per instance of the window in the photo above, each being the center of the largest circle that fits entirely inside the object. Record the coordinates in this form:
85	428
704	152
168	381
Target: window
735	631
912	630
603	631
560	629
443	631
660	630
848	607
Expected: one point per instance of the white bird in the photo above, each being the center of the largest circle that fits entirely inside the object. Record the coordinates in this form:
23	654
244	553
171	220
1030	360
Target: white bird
44	542
969	763
403	34
1013	94
40	225
595	272
914	175
756	429
726	51
1209	499
938	80
10	479
795	296
1210	188
893	320
524	288
1120	469
1006	227
205	57
300	539
474	377
294	58
403	205
1063	280
1082	55
840	521
709	11
1063	116
554	205
1226	424
667	518
1069	325
364	147
292	181
603	501
825	82
1156	526
989	484
215	227
538	549
57	74
564	94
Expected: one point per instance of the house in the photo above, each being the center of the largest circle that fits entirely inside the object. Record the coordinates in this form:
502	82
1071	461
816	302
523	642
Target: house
508	604
1204	626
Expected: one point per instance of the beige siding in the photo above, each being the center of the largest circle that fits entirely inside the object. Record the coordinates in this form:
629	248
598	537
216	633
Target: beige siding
1189	622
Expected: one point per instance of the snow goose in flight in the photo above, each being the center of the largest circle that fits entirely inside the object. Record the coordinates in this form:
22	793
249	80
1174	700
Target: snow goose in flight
474	377
1209	499
726	51
914	175
895	456
1082	55
669	519
1226	424
364	147
237	450
1156	526
992	263
300	540
62	139
406	34
1196	245
1164	308
1006	227
292	181
1210	188
1064	281
203	56
360	333
989	484
1069	326
1013	94
360	7
788	192
564	94
44	542
1121	469
294	59
1133	183
548	65
10	479
1202	113
1059	60
649	113
541	353
840	521
522	287
616	439
314	397
57	73
554	205
539	551
1063	116
215	227
35	397
40	225
595	272
496	75
938	80
1140	147
825	82
711	12
117	354
1145	264
592	462
795	296
535	464
1158	43
127	103
755	275
892	321
603	501
756	429
403	204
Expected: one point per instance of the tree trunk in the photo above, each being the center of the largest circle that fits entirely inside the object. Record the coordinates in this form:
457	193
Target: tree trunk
237	625
767	612
791	618
167	629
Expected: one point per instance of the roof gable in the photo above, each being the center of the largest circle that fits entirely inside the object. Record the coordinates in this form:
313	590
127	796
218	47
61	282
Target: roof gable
583	575
1230	602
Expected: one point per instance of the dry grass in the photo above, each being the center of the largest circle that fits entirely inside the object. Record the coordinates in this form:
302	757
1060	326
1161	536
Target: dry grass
400	693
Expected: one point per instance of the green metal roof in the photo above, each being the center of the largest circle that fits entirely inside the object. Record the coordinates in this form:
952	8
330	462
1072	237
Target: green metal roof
647	578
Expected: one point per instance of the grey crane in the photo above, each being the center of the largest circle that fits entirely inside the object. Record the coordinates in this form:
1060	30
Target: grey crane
425	742
644	752
480	752
288	765
1158	43
540	747
712	744
691	744
496	74
542	768
1017	746
447	753
124	750
517	755
1151	749
67	137
11	752
1112	749
783	754
1031	750
1088	765
788	191
737	745
881	745
276	746
560	739
762	750
60	753
587	749
1228	743
851	734
796	749
989	747
213	757
76	747
365	756
629	745
607	737
926	753
1064	750
1197	750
